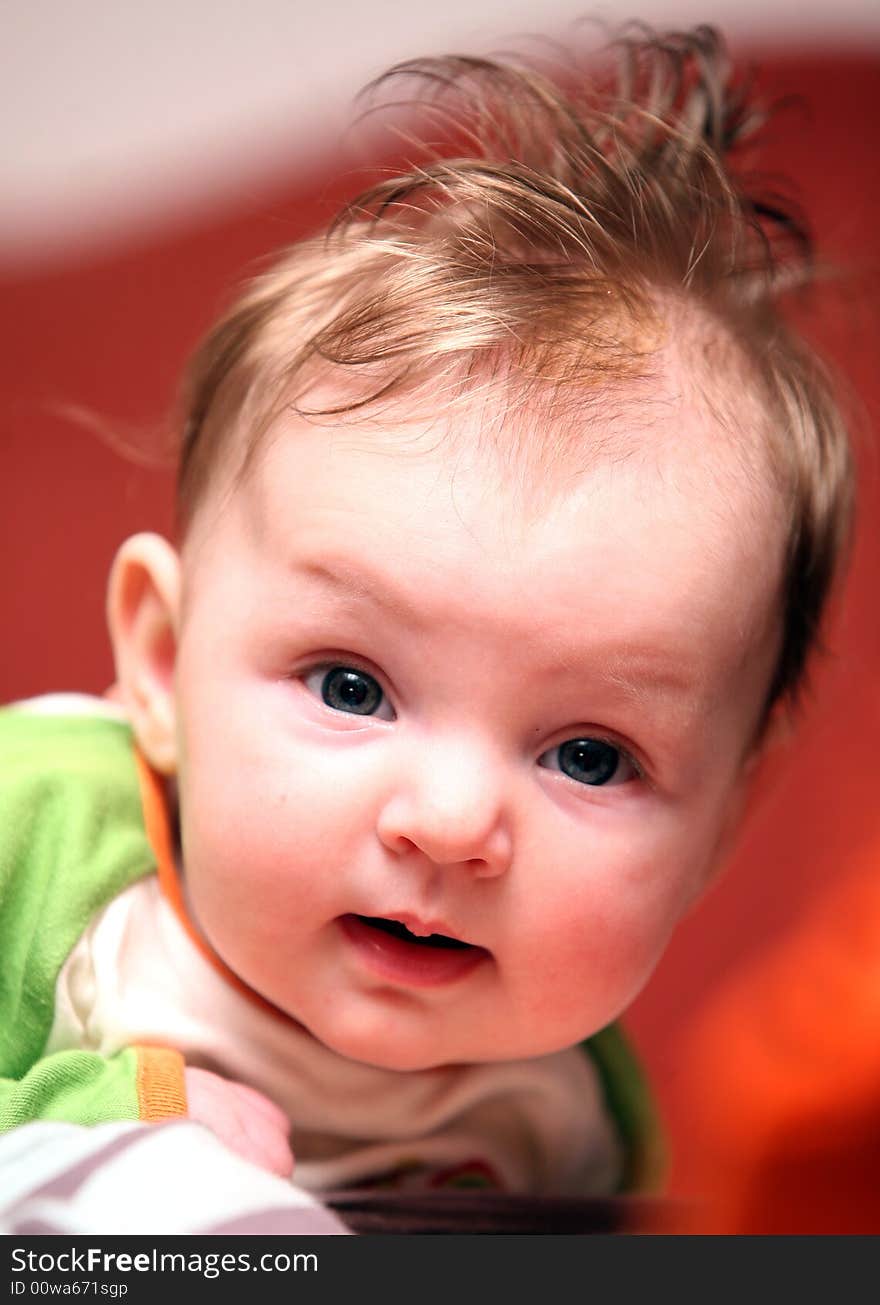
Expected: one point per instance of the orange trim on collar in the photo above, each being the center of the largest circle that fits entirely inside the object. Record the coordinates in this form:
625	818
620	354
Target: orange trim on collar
158	829
161	1086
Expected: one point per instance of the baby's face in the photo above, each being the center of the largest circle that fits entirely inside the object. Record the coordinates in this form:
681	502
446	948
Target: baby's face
450	768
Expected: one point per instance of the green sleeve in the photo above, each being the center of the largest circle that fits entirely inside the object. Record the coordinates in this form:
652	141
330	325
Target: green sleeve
79	1087
629	1101
71	839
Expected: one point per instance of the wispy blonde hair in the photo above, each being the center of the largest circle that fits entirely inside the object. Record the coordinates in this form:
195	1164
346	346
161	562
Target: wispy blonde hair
539	238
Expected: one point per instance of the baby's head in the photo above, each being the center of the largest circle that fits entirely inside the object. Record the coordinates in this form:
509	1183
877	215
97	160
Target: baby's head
509	513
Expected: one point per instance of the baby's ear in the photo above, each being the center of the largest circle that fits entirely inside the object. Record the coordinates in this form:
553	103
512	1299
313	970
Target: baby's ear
143	604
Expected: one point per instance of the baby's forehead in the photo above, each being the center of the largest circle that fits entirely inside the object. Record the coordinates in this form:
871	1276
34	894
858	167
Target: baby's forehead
509	461
687	417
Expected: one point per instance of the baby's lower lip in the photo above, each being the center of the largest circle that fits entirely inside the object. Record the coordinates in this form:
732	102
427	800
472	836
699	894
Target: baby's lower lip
414	964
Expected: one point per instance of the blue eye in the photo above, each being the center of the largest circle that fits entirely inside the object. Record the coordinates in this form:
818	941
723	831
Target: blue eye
589	761
344	688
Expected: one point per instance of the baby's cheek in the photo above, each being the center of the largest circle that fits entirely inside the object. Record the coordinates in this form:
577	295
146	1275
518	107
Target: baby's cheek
601	939
231	860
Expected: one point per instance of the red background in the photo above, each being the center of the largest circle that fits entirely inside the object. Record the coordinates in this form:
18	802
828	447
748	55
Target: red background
109	334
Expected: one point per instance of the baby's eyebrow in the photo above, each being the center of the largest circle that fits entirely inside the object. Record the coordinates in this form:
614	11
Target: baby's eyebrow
341	579
635	660
652	673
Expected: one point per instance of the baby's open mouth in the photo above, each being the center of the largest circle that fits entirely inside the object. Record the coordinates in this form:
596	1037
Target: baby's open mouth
410	955
398	930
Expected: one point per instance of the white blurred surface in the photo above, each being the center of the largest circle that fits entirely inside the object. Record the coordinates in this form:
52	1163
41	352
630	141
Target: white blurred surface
117	116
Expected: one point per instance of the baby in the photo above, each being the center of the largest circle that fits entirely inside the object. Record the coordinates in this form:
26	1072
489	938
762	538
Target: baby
509	509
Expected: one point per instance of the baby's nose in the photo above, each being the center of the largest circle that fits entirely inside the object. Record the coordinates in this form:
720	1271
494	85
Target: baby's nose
450	806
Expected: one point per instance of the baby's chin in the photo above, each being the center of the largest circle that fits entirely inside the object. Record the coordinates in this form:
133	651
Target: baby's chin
398	1055
393	1049
402	1054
